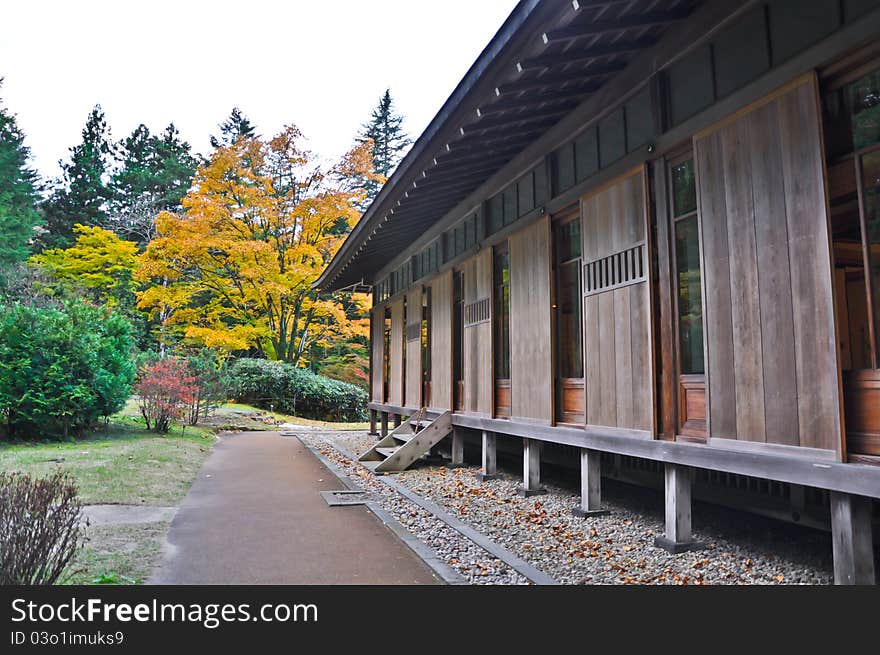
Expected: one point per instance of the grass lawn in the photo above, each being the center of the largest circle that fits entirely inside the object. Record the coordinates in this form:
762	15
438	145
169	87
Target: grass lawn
124	464
119	464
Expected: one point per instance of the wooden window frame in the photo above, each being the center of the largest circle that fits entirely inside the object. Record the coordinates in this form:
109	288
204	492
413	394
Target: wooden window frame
560	416
501	386
860	385
458	305
690	388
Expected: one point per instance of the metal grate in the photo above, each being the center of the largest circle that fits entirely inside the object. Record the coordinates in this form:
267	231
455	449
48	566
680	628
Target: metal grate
345	497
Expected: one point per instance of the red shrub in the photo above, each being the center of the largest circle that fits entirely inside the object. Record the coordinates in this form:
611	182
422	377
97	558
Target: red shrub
165	389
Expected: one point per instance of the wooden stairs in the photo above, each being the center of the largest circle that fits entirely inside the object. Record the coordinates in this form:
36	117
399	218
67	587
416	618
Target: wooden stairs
409	441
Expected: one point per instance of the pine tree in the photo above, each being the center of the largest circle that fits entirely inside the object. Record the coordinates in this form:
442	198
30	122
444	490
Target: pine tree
154	173
233	128
18	194
390	142
81	195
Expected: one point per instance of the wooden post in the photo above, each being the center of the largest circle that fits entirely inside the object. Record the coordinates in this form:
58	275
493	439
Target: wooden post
457	448
373	422
591	485
490	457
678	537
852	539
384	423
397	420
531	469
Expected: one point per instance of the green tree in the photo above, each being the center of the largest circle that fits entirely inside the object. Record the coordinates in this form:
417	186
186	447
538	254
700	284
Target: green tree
389	143
18	195
61	368
81	195
155	172
233	128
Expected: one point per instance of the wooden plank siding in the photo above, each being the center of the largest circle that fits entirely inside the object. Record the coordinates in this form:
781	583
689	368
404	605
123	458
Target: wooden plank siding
395	387
531	351
477	351
772	365
617	321
441	341
377	344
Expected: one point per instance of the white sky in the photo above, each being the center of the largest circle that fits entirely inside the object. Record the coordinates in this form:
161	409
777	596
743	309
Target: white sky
321	65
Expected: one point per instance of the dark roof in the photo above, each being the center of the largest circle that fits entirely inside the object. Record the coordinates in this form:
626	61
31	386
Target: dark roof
548	57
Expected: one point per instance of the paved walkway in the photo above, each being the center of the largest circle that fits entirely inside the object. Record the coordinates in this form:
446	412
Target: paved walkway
255	516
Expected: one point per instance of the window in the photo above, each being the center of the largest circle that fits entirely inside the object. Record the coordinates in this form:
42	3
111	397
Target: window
569	299
852	127
568	303
403	356
502	313
457	337
426	346
687	264
386	355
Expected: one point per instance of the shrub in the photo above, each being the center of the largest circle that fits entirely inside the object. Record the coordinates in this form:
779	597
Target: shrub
291	390
210	377
165	390
41	527
61	368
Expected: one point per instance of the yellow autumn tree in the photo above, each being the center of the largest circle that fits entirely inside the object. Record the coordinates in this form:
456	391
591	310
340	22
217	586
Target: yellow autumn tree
99	263
235	270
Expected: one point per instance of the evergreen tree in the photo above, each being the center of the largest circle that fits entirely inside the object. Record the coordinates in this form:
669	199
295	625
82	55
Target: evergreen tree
390	142
233	128
80	196
18	195
154	173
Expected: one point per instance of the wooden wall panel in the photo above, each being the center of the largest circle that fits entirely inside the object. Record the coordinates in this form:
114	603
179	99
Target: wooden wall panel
617	321
377	345
767	275
477	355
531	355
414	348
441	341
395	387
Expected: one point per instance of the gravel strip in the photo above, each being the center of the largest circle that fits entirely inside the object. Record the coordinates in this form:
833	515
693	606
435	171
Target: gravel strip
613	549
465	557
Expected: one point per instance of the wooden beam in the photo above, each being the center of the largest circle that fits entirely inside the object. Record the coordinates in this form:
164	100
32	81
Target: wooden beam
522	117
542	81
586	54
472	144
678	537
591	485
457	448
557	96
577	5
456	157
490	457
852	540
648	19
531	469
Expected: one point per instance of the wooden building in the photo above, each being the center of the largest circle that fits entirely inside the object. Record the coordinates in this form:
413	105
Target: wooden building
648	228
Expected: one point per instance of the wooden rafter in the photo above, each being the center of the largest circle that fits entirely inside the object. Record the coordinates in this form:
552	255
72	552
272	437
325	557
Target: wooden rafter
605	26
586	54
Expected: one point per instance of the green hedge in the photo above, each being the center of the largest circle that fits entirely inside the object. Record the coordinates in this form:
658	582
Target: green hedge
61	368
296	391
